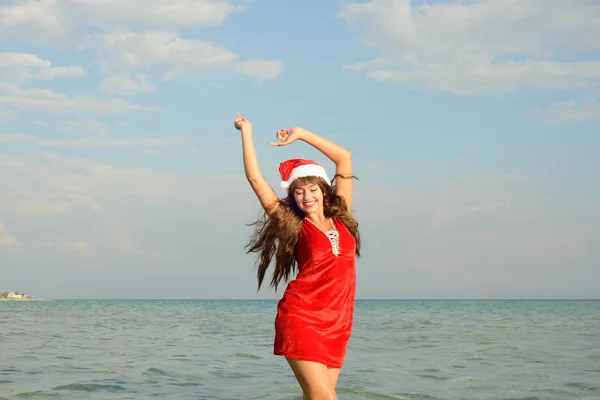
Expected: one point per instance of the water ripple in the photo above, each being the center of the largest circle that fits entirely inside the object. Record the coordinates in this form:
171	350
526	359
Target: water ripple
90	387
222	350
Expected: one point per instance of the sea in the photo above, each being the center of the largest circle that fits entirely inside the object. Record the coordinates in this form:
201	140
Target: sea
222	349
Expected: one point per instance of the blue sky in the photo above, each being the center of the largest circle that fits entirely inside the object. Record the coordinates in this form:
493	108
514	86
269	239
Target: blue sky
474	128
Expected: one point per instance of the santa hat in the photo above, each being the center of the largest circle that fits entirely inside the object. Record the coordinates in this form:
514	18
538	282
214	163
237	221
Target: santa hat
295	168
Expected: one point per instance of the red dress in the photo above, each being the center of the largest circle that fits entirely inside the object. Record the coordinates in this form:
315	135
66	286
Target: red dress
315	315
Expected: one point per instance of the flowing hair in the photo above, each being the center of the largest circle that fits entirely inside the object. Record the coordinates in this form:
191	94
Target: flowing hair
277	235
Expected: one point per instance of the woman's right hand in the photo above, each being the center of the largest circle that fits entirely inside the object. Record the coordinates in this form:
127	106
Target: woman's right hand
241	123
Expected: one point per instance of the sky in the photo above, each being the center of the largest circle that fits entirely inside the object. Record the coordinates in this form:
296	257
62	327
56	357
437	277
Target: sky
474	128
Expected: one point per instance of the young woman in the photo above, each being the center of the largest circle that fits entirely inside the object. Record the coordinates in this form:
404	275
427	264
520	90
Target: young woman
311	232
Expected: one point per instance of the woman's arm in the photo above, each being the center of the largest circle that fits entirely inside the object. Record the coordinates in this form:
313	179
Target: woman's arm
267	197
341	157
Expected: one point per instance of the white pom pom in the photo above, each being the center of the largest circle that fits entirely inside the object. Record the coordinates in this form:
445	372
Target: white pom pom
285	184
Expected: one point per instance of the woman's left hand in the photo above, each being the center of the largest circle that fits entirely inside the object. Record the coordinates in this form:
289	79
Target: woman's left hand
286	136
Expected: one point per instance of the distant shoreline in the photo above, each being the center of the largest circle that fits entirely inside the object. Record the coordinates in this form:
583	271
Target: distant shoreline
16	296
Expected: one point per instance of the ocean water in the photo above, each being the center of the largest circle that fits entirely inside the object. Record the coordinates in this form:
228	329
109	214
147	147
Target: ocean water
222	349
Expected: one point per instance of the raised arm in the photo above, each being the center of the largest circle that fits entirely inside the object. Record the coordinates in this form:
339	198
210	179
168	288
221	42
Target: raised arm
267	197
341	157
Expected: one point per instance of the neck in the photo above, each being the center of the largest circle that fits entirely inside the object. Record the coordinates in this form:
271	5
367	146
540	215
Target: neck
316	217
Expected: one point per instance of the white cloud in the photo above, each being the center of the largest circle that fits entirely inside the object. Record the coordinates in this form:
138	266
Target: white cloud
480	46
133	41
37	22
445	201
572	110
20	67
84	125
5	114
128	51
264	69
129	36
149	144
31	204
488	206
109	205
54	22
157	14
126	86
16	138
45	100
77	245
106	142
6	240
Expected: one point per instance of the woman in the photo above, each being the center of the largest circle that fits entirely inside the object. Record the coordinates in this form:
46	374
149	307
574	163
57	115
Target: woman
311	232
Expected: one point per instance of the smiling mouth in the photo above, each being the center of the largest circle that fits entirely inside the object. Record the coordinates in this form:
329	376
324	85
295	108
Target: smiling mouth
310	203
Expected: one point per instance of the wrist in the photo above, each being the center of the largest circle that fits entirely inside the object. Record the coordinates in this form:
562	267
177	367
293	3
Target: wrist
302	134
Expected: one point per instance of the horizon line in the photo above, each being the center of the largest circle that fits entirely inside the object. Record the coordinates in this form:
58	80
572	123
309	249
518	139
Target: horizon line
358	299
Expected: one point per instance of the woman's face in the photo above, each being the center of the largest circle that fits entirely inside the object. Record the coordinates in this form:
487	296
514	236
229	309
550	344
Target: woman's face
309	198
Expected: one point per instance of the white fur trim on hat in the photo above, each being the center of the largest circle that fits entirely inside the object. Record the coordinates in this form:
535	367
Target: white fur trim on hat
305	170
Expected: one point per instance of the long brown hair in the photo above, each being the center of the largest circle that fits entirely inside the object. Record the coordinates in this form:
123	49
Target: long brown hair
277	235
